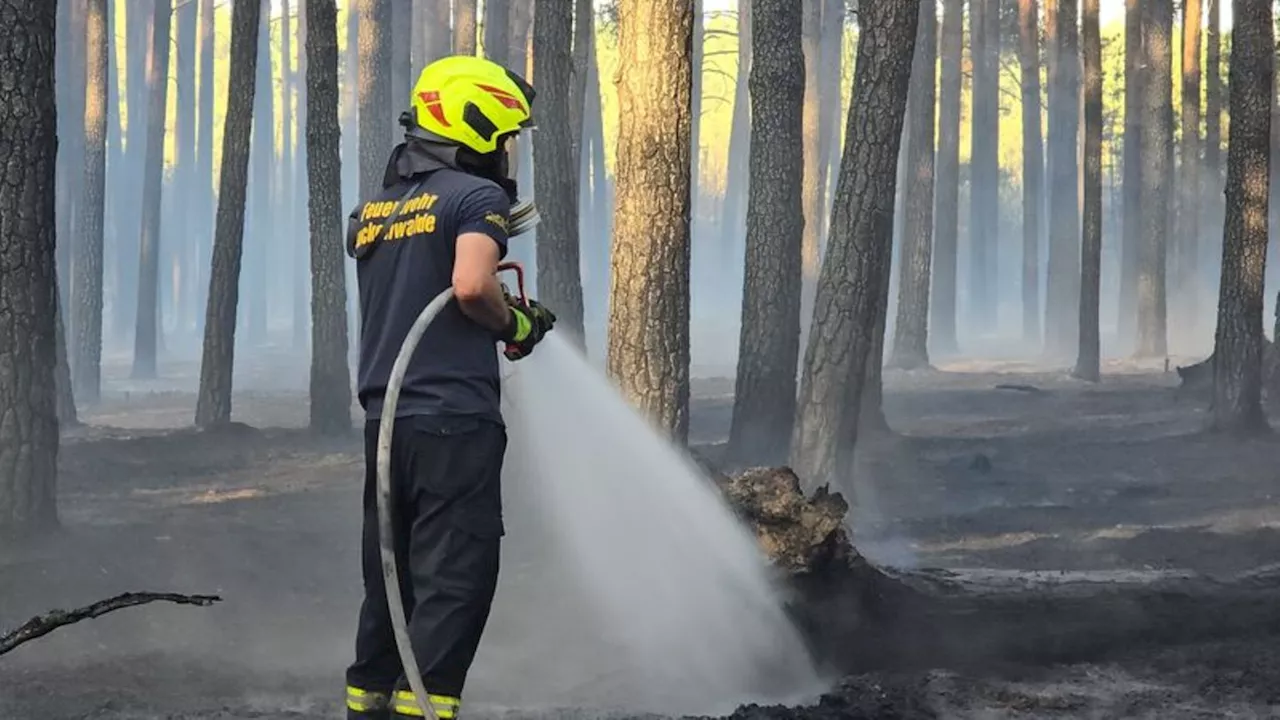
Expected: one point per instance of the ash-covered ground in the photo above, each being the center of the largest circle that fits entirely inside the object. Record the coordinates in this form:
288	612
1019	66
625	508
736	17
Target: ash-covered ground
1055	475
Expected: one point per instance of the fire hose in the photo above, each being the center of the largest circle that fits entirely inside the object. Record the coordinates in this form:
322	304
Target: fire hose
524	217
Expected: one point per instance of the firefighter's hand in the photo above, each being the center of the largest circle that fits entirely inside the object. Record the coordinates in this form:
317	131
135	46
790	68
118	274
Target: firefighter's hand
530	322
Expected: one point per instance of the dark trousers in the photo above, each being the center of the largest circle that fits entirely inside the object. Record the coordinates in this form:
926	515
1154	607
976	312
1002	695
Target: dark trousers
447	499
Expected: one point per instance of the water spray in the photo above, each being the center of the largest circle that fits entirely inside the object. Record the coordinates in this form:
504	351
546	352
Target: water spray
524	216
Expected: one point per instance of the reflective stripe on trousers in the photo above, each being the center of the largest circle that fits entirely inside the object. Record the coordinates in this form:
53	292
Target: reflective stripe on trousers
367	701
445	706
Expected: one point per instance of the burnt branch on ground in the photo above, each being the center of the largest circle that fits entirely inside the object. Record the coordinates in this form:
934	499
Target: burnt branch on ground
42	625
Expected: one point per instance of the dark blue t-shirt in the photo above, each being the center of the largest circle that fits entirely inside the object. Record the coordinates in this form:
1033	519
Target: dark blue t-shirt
454	371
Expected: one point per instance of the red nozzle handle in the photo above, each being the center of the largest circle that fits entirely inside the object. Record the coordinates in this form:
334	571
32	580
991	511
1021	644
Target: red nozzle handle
519	271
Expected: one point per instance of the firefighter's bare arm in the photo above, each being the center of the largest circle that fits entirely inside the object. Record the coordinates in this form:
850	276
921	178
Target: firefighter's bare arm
476	286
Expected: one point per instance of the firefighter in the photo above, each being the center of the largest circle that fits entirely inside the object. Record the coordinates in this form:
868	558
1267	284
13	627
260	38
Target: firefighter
440	221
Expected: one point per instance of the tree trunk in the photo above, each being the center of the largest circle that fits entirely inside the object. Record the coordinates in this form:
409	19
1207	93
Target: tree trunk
66	403
942	320
695	129
28	292
648	345
213	406
1237	366
554	169
1211	202
202	227
810	250
350	89
593	234
147	329
295	246
1062	306
433	34
1189	184
1032	167
464	27
497	30
769	343
86	290
376	139
984	167
402	77
831	59
519	42
182	185
302	292
737	182
1134	73
1089	361
330	373
70	70
1157	109
139	17
262	189
115	164
845	311
911	336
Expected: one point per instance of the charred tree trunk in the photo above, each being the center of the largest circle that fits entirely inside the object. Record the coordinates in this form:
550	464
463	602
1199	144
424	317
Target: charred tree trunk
1237	366
984	174
1135	71
204	167
842	337
648	345
376	138
28	291
147	329
942	302
769	343
213	407
86	289
911	330
810	250
1062	316
464	27
1032	166
330	373
1157	115
555	171
1089	361
1186	298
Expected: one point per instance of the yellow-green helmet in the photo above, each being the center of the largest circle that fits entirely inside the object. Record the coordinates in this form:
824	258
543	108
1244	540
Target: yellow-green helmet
471	101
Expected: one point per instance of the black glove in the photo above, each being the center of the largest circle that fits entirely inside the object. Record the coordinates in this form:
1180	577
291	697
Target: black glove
530	322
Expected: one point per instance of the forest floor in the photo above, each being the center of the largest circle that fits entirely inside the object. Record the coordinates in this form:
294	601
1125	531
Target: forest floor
1056	476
